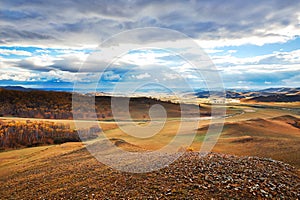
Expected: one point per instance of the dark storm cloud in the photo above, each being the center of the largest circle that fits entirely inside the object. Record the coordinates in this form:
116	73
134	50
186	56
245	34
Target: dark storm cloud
93	21
9	32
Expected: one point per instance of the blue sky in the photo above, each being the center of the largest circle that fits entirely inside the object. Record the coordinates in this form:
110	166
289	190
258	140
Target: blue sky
253	44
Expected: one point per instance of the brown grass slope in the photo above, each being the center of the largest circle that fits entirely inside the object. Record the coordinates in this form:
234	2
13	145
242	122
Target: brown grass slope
57	172
277	138
277	98
58	105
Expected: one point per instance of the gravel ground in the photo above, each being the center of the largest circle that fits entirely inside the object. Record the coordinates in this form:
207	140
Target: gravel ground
77	175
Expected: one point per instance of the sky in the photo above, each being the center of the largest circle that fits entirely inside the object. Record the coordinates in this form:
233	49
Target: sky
50	44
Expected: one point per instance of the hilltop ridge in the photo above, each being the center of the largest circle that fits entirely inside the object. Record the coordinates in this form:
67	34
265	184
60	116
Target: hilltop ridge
79	175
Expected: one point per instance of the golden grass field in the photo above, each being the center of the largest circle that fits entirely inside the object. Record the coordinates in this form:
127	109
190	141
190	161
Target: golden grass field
68	169
254	132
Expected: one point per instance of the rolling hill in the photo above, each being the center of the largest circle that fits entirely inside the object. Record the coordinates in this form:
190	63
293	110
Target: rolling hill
58	105
277	138
68	171
265	95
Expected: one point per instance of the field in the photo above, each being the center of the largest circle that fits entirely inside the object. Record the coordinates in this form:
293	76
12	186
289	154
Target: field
69	171
263	132
248	131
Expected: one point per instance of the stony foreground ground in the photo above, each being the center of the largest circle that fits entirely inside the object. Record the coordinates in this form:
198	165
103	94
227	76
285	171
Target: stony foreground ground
77	175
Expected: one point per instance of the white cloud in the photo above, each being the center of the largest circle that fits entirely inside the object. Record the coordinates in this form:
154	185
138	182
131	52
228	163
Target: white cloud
292	57
86	24
143	76
245	39
18	75
144	58
172	76
7	52
292	81
261	68
280	57
111	76
268	82
212	51
42	60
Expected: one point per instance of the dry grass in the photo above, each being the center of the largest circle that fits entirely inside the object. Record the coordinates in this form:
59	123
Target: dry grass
275	138
64	174
29	157
257	132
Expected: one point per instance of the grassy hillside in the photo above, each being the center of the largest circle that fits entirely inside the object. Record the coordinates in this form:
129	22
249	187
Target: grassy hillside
68	171
277	138
58	105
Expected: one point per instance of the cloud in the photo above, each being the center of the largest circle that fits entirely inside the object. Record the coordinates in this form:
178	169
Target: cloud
268	82
61	29
110	76
90	22
279	57
293	80
11	34
143	76
7	52
258	75
15	74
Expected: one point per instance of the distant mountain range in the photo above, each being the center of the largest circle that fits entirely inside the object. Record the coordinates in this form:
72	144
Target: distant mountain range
280	94
17	88
265	95
277	98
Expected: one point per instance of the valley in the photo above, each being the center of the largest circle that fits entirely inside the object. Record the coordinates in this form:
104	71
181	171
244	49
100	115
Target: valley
262	138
